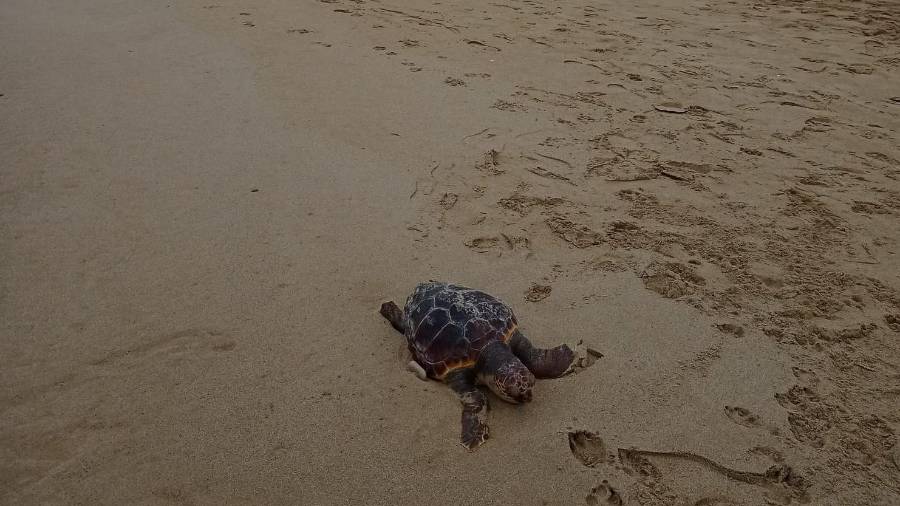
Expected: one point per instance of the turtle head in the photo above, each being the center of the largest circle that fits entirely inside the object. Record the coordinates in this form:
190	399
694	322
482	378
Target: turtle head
505	374
513	382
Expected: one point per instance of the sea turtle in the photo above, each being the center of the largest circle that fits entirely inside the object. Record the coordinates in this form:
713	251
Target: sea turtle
465	337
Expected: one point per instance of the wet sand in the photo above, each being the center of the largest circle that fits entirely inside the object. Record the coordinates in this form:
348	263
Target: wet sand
203	205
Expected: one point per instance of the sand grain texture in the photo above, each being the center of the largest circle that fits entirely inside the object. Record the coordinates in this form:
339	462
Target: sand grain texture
203	205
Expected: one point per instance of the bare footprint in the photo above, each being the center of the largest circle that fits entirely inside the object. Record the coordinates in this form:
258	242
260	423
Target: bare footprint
575	234
672	280
490	163
742	416
537	292
603	494
482	244
504	105
587	447
768	451
893	321
448	201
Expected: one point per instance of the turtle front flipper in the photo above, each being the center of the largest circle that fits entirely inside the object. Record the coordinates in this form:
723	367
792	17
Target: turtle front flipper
543	363
474	416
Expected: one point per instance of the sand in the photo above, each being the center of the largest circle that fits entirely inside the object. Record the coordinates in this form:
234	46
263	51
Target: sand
203	204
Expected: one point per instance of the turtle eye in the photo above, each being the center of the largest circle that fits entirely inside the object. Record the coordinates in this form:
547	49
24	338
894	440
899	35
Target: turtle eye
517	391
509	390
525	391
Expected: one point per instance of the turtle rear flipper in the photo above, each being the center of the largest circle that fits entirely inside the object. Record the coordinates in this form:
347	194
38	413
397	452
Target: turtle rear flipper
543	363
394	315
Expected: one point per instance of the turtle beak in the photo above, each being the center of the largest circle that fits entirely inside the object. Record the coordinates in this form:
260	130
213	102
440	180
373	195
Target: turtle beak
524	397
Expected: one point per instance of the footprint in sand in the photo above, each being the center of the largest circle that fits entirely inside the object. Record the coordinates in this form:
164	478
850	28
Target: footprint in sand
893	321
448	200
490	163
523	204
864	207
767	451
742	416
780	482
482	244
485	244
538	293
672	280
731	328
746	418
603	494
504	105
590	450
587	447
573	233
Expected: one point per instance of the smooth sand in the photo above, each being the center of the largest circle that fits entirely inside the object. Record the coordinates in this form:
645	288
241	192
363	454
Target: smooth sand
203	205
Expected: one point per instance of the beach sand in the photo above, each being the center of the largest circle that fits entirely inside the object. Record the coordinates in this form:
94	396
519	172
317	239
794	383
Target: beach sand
203	205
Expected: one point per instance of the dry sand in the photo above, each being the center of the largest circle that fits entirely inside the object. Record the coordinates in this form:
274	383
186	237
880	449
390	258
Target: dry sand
204	203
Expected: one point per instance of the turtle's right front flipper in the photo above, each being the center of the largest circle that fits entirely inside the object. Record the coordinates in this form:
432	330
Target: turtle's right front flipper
474	416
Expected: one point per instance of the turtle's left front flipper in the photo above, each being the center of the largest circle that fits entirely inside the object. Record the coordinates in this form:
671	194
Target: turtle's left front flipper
543	363
474	416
